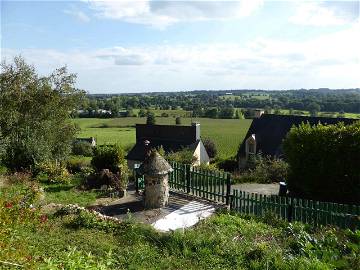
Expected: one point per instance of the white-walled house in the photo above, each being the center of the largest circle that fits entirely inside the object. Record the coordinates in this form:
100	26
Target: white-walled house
171	138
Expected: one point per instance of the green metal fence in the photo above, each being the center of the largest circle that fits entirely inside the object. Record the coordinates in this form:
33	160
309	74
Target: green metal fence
294	209
201	183
216	186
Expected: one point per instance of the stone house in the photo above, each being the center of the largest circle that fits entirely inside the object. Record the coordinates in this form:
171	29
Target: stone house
171	138
267	133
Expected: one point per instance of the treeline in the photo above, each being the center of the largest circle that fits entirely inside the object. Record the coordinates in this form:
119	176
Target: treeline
220	103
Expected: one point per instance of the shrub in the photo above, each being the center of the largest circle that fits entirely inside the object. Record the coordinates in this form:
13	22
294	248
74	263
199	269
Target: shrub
324	162
208	167
178	120
55	172
150	118
19	178
118	181
265	170
228	165
82	149
210	147
77	165
108	157
111	169
184	156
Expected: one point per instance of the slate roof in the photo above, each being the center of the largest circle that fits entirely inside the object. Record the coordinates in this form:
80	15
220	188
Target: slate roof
171	138
155	165
270	130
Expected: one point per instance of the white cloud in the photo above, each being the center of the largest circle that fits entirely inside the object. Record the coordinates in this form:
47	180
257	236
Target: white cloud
331	60
79	15
161	14
325	13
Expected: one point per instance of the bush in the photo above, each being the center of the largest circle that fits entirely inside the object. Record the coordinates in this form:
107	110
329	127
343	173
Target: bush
118	181
55	172
19	178
210	147
82	149
324	162
108	157
150	118
178	120
77	165
265	170
184	156
111	169
228	165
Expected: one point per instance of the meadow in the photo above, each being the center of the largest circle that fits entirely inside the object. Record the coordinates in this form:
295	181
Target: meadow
226	133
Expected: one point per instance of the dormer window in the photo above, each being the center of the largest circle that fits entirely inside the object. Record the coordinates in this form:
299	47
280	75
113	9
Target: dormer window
250	146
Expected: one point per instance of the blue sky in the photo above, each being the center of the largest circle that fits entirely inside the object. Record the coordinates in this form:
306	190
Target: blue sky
137	46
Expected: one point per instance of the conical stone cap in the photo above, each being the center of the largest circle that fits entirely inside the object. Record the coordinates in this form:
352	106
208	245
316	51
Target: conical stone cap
155	165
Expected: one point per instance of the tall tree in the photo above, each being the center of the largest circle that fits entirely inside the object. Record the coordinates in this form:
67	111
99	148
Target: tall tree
35	113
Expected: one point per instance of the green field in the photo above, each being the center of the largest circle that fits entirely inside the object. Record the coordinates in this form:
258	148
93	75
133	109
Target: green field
226	133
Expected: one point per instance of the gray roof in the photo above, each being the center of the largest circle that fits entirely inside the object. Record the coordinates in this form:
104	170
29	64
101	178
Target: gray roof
154	165
271	129
170	137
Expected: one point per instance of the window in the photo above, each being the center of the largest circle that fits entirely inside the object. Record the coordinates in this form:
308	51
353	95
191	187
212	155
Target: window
251	145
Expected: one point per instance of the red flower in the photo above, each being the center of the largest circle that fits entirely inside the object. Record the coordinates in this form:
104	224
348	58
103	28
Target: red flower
43	218
8	205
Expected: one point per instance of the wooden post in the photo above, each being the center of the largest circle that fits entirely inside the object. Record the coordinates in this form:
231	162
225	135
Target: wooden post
187	175
228	189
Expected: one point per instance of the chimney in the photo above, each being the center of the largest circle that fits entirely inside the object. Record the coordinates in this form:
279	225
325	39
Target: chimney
197	130
147	149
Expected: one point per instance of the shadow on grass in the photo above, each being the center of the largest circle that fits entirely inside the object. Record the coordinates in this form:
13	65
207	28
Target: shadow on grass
58	188
105	125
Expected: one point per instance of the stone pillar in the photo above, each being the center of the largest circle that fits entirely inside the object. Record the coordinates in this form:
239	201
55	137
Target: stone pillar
156	174
156	191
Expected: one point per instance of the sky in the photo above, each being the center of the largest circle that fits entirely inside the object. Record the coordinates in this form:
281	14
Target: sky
155	45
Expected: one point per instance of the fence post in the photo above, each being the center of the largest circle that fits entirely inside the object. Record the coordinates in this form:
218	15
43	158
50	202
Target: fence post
187	175
290	210
136	182
228	189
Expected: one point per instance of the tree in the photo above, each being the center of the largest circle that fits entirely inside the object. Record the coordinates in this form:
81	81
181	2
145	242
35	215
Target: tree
35	114
150	119
313	108
226	113
178	120
142	113
210	147
211	113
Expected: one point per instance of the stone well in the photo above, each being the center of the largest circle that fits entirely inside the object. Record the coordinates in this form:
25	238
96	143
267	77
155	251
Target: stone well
156	173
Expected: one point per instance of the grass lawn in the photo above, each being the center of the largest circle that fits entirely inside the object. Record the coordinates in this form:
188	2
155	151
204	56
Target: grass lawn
32	239
225	241
226	133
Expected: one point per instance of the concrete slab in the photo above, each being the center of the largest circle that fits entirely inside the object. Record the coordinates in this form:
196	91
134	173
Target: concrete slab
185	217
181	212
266	189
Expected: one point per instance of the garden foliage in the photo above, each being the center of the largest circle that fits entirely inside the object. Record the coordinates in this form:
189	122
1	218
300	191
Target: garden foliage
82	149
264	170
111	168
324	162
35	114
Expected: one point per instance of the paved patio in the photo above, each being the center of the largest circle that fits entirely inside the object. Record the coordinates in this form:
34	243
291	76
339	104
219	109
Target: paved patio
181	212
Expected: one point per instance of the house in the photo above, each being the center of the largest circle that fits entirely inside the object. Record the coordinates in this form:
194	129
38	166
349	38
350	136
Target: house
258	113
267	133
90	140
171	138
